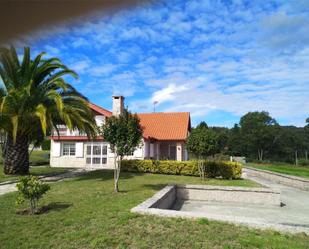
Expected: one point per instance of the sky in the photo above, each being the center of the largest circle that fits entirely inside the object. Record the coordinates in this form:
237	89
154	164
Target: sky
216	59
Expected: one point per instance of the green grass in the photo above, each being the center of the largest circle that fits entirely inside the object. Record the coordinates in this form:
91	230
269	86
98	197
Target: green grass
288	169
86	213
34	170
36	158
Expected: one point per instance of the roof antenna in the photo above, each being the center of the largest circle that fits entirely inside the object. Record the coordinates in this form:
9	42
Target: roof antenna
154	105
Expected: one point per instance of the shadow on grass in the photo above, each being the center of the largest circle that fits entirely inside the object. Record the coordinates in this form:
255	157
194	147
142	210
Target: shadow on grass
106	174
154	186
53	206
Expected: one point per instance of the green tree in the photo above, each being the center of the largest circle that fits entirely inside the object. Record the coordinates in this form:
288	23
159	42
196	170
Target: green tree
202	142
236	145
34	99
259	133
292	142
124	134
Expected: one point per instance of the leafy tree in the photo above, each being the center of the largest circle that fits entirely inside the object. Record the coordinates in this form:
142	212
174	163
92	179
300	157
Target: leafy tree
291	142
222	137
235	143
34	99
259	132
124	134
202	142
32	189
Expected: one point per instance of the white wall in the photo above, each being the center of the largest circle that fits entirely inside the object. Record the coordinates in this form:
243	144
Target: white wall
77	161
100	120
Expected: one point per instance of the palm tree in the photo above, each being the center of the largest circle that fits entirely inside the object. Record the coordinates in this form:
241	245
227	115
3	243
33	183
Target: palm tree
34	99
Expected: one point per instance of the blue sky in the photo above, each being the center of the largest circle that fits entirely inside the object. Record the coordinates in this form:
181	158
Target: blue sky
216	59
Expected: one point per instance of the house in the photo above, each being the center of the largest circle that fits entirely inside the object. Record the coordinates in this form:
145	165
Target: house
164	136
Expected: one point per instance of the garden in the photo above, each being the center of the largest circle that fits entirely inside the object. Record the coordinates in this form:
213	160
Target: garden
85	213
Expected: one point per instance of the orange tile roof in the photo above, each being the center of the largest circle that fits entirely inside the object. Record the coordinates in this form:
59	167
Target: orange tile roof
165	126
100	110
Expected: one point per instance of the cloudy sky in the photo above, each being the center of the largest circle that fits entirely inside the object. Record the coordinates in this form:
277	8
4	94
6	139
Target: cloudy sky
216	59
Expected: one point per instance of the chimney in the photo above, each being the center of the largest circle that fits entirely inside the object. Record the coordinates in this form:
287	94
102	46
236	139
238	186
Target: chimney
118	105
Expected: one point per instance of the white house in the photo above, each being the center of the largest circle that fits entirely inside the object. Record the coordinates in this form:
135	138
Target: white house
164	135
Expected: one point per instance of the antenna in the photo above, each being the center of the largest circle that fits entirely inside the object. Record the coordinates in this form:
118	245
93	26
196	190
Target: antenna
154	105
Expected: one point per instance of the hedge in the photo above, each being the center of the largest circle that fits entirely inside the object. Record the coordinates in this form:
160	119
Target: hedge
224	169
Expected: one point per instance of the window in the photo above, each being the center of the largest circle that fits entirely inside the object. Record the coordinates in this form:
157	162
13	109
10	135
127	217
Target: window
96	160
68	149
96	154
88	150
96	150
104	150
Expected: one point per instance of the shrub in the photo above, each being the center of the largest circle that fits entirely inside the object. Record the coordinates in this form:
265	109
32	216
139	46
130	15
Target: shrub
226	170
32	189
303	162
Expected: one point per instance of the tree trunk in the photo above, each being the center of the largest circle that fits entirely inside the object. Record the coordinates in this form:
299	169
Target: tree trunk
296	158
117	173
16	156
306	156
260	154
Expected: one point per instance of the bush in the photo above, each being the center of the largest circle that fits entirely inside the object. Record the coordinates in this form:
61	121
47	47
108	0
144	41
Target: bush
303	162
226	170
32	189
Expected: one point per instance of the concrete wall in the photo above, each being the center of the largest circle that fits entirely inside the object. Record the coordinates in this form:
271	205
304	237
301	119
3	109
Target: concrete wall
260	196
292	181
166	200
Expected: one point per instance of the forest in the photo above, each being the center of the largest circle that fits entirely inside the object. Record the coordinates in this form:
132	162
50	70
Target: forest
259	137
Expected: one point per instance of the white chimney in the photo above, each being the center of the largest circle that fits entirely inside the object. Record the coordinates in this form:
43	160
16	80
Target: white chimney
118	105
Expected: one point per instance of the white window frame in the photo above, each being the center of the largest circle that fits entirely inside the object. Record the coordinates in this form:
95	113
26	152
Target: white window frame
70	145
101	156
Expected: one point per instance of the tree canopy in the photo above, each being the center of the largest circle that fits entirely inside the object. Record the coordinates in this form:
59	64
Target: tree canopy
34	99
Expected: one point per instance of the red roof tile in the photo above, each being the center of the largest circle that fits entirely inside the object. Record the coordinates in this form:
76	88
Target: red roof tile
165	126
100	110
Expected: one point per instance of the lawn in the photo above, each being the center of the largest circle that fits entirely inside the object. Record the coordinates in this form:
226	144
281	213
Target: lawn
85	213
288	169
36	158
34	170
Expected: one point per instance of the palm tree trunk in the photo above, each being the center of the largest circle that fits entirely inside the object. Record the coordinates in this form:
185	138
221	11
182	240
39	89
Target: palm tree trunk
16	156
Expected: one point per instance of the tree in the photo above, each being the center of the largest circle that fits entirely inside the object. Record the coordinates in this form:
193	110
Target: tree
34	99
292	141
259	132
124	134
235	142
202	142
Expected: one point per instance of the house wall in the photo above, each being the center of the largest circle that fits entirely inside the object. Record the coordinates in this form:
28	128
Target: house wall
157	150
79	160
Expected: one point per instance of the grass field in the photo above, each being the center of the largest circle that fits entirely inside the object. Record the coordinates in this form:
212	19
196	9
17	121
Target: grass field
288	169
85	213
36	158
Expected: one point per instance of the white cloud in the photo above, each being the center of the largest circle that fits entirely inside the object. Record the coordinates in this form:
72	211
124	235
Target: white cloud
80	66
168	93
102	70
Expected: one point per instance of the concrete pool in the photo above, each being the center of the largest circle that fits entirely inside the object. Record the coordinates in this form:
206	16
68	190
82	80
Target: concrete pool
256	207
